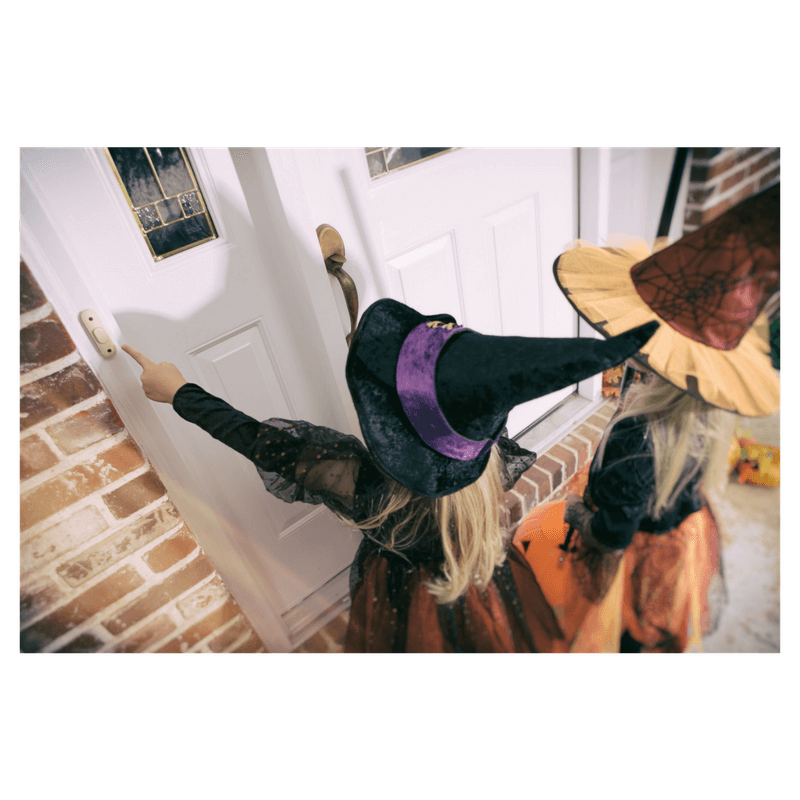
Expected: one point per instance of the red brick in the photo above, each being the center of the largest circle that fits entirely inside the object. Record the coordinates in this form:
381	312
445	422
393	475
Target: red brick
43	342
715	211
705	153
553	468
80	609
541	480
252	645
585	432
579	446
209	594
702	173
121	544
74	484
732	180
85	643
135	494
219	643
30	294
72	532
693	217
148	635
763	162
722	207
568	457
748	153
36	597
158	596
197	632
170	551
48	396
34	457
86	427
605	412
597	421
698	195
769	178
744	192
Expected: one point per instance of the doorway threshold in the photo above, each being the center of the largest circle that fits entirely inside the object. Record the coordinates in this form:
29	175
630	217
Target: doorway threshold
557	423
318	609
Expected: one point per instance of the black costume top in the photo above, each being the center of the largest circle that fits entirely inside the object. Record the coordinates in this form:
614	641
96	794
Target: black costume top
621	487
298	461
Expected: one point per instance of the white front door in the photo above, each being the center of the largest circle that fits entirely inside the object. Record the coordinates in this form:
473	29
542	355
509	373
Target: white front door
254	318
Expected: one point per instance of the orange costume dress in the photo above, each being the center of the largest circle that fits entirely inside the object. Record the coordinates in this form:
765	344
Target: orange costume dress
649	593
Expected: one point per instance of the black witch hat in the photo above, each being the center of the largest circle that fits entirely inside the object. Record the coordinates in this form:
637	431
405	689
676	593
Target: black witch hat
432	397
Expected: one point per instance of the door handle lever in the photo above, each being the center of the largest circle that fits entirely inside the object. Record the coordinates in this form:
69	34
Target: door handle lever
332	247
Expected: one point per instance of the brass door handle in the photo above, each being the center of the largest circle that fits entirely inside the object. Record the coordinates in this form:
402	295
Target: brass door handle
332	247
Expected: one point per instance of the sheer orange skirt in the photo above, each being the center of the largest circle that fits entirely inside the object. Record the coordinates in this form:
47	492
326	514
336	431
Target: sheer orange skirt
483	622
656	589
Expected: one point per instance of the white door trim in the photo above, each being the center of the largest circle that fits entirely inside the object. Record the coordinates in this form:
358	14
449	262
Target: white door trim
594	171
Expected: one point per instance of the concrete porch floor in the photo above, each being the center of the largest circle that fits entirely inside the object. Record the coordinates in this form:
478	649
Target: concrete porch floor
748	517
749	521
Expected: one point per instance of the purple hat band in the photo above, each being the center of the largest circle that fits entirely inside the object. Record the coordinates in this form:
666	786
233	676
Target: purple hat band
416	369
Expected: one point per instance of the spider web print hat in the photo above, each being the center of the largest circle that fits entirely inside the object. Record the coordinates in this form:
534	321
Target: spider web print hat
708	289
433	397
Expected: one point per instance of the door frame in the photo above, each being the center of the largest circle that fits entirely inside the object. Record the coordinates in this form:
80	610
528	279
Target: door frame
594	195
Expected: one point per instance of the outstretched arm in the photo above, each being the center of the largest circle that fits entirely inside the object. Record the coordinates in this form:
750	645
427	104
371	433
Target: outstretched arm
296	460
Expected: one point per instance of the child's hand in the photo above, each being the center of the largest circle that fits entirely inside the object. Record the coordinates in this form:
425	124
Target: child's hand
159	381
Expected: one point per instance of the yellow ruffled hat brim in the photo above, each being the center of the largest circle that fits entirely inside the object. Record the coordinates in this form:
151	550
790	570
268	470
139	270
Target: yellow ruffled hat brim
597	282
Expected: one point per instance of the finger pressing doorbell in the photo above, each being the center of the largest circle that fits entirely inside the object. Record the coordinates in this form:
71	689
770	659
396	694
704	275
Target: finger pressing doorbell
97	333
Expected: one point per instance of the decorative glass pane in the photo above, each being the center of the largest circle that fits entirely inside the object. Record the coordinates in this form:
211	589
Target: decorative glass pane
383	160
162	190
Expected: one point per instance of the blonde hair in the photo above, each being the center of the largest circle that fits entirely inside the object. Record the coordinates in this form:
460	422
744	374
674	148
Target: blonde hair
468	521
683	432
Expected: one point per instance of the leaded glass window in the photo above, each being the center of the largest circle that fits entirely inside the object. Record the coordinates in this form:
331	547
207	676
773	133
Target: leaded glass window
384	160
167	202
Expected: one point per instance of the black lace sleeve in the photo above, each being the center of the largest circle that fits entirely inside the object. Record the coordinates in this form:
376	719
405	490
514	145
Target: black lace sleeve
621	486
296	461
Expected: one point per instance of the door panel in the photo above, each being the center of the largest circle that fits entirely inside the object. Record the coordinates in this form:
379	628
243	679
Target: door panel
426	278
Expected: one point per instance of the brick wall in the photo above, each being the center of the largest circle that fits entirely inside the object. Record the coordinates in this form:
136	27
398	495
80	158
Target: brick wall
106	562
548	479
721	177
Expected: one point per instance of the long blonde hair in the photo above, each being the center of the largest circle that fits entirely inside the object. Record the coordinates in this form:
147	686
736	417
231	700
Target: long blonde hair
468	521
687	436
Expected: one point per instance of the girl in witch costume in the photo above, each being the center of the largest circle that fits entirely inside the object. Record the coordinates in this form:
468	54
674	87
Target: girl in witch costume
630	563
434	572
